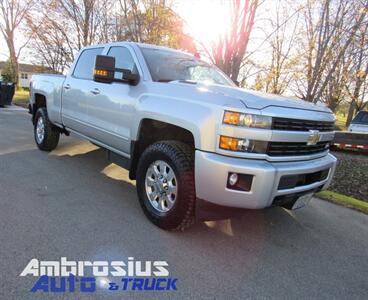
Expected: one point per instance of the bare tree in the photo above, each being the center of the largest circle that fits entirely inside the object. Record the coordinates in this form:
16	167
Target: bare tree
357	85
12	13
63	27
132	20
83	17
229	51
47	45
333	30
282	40
335	92
153	22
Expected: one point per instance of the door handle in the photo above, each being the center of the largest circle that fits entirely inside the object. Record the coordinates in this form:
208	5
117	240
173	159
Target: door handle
95	91
67	87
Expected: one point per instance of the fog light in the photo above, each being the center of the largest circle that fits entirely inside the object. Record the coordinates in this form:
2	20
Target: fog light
233	179
239	182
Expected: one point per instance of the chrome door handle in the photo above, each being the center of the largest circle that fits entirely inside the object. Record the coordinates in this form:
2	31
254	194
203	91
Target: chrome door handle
67	87
95	91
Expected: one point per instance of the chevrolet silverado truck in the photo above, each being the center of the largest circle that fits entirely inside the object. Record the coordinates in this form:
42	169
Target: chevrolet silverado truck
186	133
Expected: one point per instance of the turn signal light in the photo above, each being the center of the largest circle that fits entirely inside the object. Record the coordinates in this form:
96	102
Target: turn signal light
242	145
229	143
101	72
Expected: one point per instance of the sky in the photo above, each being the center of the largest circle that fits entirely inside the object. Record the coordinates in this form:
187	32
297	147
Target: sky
204	20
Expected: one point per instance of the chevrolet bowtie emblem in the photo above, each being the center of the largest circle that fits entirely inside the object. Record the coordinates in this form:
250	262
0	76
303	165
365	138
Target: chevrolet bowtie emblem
314	137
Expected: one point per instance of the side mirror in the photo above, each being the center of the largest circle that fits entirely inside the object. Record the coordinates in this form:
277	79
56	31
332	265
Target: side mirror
105	71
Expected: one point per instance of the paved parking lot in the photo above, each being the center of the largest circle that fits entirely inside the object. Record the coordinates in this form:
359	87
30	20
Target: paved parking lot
74	203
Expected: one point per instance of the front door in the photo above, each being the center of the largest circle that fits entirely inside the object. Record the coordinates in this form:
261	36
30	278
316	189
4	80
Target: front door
111	107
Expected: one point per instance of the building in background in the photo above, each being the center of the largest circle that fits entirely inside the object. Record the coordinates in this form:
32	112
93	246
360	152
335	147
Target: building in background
26	71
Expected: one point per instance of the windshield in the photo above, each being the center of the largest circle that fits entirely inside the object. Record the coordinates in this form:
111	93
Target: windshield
166	66
361	118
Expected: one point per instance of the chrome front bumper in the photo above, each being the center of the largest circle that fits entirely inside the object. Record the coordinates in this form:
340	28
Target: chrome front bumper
211	173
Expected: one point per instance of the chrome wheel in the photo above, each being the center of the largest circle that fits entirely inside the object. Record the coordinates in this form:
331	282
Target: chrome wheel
40	130
161	186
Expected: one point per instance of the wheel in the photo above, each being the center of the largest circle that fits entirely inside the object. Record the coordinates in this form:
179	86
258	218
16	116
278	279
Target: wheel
46	135
165	184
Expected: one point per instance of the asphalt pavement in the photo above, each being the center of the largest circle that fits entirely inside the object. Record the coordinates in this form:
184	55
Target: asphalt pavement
74	203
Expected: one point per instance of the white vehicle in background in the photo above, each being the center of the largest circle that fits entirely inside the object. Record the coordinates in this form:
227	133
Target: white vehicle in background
186	132
359	123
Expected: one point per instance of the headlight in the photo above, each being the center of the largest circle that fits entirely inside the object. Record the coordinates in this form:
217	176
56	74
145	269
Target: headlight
247	120
242	145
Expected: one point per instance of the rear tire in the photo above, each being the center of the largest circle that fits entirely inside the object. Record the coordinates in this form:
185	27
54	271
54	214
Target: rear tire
45	133
168	203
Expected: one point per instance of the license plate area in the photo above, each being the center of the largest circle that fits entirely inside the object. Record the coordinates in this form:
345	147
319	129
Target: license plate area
296	200
302	201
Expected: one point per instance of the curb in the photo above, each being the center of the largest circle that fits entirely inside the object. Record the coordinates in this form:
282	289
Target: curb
344	200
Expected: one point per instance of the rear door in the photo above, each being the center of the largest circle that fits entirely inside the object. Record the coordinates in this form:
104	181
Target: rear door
77	89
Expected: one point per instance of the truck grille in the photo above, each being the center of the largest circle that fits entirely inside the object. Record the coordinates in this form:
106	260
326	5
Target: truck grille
292	149
301	125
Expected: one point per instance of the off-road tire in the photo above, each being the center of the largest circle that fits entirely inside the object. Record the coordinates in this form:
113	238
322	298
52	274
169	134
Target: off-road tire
51	134
180	157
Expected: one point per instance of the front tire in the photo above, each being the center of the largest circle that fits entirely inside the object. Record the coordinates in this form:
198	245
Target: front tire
165	184
45	133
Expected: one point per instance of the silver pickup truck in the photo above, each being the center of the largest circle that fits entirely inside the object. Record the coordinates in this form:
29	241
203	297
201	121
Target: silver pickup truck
186	133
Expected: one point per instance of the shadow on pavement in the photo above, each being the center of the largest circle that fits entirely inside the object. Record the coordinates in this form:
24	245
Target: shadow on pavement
251	222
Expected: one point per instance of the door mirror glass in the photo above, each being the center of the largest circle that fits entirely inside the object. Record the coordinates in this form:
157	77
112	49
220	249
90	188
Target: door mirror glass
105	71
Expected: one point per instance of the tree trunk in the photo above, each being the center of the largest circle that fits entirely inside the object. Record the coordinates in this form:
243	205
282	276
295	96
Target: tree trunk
13	57
333	103
351	112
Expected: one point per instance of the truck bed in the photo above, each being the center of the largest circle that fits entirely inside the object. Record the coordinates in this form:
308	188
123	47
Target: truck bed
51	86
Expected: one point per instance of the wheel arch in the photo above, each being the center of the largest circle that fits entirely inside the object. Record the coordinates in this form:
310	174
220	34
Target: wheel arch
151	131
40	101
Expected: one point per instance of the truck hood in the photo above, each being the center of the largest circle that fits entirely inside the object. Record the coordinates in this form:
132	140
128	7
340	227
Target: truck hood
258	100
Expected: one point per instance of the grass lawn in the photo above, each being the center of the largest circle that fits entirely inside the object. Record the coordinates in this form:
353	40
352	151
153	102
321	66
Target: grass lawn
344	200
340	121
349	185
21	97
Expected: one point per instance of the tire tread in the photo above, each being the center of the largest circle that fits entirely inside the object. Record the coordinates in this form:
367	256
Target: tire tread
52	135
183	155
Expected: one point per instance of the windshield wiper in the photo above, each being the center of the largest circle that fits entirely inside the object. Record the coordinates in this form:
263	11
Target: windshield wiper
165	80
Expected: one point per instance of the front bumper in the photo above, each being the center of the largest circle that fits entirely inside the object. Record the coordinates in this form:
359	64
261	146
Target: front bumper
212	170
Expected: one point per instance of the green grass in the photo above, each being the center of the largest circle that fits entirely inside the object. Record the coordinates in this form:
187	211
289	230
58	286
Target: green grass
344	200
340	121
21	97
